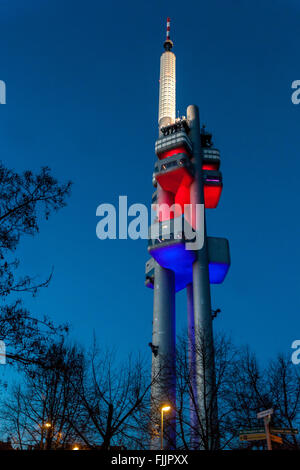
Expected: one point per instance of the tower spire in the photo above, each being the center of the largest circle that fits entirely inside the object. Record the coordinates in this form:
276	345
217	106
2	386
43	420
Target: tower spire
168	44
167	83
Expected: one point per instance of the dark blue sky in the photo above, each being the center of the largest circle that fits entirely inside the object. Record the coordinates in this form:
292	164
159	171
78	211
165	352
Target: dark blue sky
82	96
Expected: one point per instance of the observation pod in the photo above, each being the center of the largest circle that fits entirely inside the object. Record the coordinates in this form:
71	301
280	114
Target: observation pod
174	171
169	249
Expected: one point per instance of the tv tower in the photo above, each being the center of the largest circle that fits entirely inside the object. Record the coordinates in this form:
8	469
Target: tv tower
187	181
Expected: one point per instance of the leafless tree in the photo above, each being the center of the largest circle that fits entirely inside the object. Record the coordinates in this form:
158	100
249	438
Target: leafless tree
114	401
25	199
242	389
38	413
284	384
199	427
101	402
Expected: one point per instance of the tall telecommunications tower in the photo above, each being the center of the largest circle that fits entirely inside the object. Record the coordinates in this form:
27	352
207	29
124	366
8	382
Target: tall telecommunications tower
187	181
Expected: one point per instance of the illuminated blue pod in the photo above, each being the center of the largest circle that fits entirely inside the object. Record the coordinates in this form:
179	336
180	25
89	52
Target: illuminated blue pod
173	255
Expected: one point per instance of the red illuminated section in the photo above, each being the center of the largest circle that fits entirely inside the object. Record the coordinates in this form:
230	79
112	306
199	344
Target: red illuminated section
210	166
170	153
176	187
212	196
176	190
172	180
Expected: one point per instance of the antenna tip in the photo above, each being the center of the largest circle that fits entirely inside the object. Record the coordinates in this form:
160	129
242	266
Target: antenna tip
168	43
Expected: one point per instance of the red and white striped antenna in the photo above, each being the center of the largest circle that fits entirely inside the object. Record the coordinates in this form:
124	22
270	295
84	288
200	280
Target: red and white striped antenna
168	44
168	29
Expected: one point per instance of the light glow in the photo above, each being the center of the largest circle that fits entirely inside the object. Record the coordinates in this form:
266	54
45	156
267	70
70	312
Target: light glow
165	408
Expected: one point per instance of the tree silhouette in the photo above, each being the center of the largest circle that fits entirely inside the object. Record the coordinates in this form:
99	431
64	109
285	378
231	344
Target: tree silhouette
38	412
25	199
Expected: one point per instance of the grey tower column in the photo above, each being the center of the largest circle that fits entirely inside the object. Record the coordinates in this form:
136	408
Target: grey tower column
194	439
163	390
205	373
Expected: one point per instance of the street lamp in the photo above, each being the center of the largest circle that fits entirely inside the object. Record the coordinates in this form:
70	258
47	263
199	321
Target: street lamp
49	434
75	448
164	409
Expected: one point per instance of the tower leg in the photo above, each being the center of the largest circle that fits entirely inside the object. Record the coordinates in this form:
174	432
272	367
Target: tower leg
205	373
194	438
163	390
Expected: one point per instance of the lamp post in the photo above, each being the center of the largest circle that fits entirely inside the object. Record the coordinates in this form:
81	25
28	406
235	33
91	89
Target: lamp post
165	408
49	434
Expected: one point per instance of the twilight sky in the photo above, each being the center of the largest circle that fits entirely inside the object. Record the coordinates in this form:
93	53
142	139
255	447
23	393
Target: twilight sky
82	98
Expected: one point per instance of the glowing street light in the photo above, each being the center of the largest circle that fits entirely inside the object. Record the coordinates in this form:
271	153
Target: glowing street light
75	448
164	409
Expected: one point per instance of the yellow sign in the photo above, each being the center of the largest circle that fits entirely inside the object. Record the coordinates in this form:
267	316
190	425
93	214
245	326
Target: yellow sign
253	437
276	438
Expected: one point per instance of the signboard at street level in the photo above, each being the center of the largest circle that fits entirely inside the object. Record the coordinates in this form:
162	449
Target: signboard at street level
262	414
276	438
252	431
284	430
253	437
